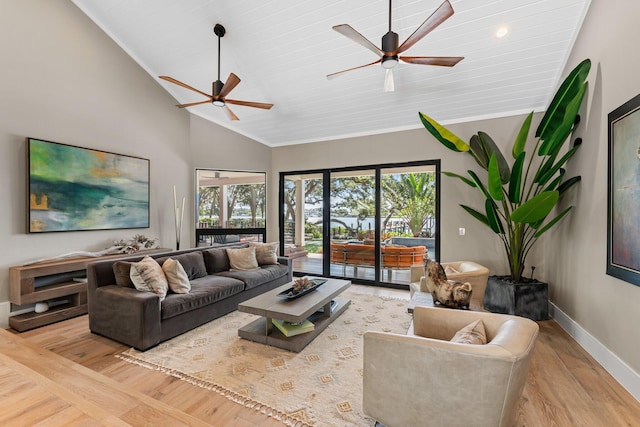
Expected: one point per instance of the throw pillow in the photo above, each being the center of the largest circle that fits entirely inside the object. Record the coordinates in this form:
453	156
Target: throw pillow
266	253
243	259
147	275
473	333
216	260
176	276
192	262
122	271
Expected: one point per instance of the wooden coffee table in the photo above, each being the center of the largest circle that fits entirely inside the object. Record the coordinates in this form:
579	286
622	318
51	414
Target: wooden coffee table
316	306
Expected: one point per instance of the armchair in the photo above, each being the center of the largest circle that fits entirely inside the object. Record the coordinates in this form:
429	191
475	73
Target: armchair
422	379
467	271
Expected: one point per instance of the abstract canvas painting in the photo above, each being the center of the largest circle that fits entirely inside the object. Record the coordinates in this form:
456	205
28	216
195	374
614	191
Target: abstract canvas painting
73	188
624	192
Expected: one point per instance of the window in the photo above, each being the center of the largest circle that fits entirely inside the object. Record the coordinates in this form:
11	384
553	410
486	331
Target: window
231	206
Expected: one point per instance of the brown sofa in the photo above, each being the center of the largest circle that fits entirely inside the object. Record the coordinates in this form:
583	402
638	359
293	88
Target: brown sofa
141	320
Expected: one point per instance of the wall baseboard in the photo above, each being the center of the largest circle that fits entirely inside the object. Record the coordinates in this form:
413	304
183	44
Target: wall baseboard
5	309
622	372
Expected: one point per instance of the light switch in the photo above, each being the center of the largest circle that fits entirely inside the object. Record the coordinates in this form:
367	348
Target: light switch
461	231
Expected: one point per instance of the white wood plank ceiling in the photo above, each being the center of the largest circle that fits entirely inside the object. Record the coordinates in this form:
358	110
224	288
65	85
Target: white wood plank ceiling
283	50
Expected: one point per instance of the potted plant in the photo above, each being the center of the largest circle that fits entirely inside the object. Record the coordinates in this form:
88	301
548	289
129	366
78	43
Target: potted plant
520	194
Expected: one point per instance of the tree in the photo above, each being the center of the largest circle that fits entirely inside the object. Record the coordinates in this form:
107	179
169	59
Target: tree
411	197
253	195
208	202
312	195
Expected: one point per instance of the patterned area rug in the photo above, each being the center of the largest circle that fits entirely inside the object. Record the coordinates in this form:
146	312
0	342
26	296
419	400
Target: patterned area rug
320	386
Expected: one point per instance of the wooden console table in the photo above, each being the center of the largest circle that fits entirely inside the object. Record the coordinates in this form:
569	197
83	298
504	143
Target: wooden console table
29	284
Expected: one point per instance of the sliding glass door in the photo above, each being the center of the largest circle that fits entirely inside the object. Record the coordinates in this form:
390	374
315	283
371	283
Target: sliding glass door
301	221
352	223
407	219
369	224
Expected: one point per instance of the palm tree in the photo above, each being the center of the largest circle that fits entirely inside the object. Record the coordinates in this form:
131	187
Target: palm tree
412	197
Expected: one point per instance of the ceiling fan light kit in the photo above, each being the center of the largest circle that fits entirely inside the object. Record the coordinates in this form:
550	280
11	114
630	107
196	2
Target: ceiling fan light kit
389	54
219	89
389	85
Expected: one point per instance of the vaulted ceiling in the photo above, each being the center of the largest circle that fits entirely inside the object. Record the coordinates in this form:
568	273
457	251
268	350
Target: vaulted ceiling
282	51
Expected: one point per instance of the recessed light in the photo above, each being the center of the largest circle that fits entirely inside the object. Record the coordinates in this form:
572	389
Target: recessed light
502	31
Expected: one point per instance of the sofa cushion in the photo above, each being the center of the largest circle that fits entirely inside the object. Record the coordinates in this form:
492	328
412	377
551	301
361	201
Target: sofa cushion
266	253
122	271
243	259
254	278
204	291
176	276
216	260
192	262
147	276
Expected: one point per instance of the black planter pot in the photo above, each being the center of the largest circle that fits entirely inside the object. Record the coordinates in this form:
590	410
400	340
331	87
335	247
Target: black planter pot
529	299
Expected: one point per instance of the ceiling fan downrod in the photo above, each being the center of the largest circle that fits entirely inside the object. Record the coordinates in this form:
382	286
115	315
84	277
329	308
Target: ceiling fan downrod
390	44
219	31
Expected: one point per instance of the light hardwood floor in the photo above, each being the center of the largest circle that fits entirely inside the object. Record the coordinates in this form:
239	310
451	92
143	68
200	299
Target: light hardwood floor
566	387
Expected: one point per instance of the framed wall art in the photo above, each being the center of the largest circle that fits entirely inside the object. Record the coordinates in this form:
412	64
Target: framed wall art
73	188
623	197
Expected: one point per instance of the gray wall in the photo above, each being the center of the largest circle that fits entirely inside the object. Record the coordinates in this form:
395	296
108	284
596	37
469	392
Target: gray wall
214	146
608	308
64	80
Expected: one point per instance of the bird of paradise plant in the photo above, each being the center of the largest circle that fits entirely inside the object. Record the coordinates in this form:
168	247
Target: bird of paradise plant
520	197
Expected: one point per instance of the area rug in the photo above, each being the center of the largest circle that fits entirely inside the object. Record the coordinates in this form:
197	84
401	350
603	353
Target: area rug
320	386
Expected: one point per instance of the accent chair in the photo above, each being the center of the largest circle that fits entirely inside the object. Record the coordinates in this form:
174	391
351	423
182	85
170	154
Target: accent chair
423	379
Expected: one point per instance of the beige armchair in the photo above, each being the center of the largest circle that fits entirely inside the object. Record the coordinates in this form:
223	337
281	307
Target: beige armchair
422	379
468	271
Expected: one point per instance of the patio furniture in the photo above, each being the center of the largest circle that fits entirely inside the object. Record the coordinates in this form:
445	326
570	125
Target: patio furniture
392	257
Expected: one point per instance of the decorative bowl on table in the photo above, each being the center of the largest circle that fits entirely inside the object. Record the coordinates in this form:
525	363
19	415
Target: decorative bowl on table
302	286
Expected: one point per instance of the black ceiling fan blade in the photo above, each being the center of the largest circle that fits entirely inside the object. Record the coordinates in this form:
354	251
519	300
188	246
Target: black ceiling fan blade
231	83
229	113
184	85
191	104
339	73
444	61
262	105
348	31
442	13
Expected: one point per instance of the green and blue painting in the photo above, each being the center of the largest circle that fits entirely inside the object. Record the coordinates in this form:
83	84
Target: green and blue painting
73	188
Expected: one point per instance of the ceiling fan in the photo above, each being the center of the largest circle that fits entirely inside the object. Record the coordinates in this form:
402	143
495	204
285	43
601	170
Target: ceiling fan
389	53
219	89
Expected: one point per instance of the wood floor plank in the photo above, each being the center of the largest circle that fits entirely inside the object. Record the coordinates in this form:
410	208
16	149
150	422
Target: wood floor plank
69	417
97	396
566	387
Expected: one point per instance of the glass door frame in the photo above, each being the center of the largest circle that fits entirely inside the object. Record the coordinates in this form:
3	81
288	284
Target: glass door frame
326	213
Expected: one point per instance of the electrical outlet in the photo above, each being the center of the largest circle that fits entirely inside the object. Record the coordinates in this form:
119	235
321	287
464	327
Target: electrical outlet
461	231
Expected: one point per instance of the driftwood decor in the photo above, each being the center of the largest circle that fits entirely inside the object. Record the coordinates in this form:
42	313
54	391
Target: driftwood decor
449	293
